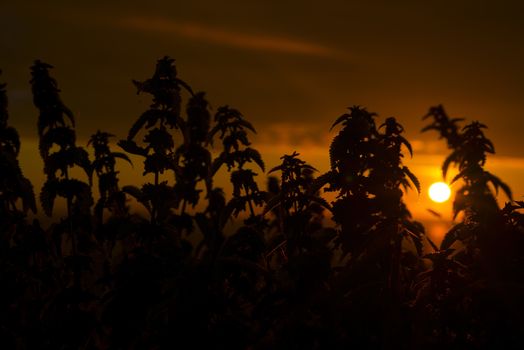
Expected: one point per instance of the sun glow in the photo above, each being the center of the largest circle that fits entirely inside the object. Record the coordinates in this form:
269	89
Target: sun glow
439	192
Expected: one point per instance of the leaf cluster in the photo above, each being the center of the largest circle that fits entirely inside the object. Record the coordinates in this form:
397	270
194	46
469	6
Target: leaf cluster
13	184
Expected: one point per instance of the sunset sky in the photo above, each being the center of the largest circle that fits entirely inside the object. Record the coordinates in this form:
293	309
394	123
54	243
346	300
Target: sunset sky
291	67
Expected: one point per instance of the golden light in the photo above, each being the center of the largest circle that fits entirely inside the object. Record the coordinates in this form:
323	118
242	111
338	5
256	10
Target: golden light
439	192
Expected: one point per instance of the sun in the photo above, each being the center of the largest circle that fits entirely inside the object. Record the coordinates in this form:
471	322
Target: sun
439	192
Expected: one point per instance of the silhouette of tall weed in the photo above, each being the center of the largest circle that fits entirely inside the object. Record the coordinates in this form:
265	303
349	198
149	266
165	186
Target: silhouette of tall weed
479	261
232	129
64	306
14	186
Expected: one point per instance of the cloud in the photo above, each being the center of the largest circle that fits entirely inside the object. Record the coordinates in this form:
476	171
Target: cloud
293	134
219	36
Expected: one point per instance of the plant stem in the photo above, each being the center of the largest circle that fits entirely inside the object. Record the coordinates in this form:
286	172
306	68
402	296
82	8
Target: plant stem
154	209
76	272
249	202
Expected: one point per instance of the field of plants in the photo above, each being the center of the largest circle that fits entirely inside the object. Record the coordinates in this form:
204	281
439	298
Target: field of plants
278	267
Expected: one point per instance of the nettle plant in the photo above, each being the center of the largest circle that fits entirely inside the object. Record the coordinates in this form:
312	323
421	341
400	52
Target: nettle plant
14	187
377	239
368	174
480	257
298	209
192	158
56	128
232	129
59	152
476	197
158	149
103	166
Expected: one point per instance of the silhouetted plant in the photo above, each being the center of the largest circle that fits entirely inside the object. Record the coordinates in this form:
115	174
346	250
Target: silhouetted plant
22	248
236	154
13	185
299	254
484	250
159	152
117	226
192	159
389	176
446	127
368	174
104	167
53	129
297	206
60	153
469	151
439	312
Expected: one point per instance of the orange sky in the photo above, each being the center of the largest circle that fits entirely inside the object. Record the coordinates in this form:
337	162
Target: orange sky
292	67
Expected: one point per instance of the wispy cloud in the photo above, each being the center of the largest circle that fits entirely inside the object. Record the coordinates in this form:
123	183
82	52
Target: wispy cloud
220	36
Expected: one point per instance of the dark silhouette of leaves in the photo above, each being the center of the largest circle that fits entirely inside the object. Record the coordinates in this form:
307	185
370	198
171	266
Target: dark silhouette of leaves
132	147
13	185
136	193
47	99
220	274
412	177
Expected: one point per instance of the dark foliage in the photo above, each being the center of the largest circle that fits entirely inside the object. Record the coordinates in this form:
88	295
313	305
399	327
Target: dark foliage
13	185
477	271
187	272
232	129
111	197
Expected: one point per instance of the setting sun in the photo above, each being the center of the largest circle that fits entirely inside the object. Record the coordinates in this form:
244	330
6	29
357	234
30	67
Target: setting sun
439	192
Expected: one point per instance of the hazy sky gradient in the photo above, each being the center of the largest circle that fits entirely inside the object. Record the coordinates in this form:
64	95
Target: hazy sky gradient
291	67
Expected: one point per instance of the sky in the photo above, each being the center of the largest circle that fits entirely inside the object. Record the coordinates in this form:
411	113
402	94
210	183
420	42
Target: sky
291	67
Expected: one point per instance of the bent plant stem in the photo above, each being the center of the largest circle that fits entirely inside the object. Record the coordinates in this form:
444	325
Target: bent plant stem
251	210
